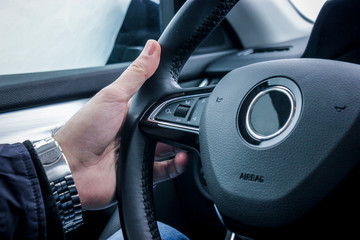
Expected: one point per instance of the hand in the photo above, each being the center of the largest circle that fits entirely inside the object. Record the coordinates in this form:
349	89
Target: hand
89	141
168	169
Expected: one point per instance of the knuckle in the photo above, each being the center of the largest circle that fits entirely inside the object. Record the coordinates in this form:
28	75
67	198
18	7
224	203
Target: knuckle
139	67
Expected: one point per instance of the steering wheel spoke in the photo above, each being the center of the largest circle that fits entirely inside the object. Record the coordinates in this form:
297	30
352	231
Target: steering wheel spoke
176	119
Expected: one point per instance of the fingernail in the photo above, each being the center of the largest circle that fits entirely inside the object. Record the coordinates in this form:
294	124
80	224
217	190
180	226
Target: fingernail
180	169
149	48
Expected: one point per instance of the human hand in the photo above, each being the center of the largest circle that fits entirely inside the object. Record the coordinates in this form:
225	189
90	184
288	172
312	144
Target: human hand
89	140
164	170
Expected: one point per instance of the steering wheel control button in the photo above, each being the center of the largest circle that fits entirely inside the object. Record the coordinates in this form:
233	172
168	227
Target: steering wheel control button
167	112
181	111
270	112
189	102
175	110
195	116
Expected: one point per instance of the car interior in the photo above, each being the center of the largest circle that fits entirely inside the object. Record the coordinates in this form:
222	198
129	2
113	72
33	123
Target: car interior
223	61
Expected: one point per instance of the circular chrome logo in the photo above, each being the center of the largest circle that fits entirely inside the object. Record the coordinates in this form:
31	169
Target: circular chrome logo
270	112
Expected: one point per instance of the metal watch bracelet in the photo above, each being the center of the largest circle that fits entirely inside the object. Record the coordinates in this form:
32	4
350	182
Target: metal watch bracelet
61	183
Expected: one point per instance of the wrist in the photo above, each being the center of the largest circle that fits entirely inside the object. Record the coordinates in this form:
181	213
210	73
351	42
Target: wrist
73	164
93	173
59	138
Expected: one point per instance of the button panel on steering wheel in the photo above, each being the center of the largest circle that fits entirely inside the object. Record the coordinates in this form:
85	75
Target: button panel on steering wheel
183	112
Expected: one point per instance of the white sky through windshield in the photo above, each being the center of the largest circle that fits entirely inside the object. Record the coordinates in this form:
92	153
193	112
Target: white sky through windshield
309	8
43	35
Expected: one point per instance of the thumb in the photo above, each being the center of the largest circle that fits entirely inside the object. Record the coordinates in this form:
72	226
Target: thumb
139	71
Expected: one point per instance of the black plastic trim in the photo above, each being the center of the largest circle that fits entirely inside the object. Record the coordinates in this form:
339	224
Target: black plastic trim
20	91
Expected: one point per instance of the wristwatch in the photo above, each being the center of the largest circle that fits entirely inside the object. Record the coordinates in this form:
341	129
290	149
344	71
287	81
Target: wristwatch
61	183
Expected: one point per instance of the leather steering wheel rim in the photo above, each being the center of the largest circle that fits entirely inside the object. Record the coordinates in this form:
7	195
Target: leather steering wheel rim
191	25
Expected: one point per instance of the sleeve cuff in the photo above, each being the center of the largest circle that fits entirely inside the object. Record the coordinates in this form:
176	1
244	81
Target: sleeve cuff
54	225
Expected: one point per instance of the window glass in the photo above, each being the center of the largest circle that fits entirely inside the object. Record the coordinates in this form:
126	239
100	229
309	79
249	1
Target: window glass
142	22
43	35
309	9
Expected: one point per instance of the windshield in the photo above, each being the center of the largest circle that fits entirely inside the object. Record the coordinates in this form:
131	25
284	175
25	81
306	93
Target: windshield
309	9
42	35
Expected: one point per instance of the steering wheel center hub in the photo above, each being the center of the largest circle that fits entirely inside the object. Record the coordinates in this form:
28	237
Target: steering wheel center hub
274	131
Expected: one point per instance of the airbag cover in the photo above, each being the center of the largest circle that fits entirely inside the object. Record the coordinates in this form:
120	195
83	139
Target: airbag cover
271	184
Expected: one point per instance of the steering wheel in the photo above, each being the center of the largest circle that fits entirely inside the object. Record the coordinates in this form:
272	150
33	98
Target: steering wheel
276	138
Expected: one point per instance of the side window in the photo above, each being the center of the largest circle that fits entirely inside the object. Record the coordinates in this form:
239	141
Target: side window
142	22
146	19
44	36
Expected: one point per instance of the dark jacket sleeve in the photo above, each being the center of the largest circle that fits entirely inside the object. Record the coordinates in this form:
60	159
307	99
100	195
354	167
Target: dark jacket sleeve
22	212
27	209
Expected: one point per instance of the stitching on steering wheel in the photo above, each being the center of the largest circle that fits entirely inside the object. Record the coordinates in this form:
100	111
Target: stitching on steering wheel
207	26
146	182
